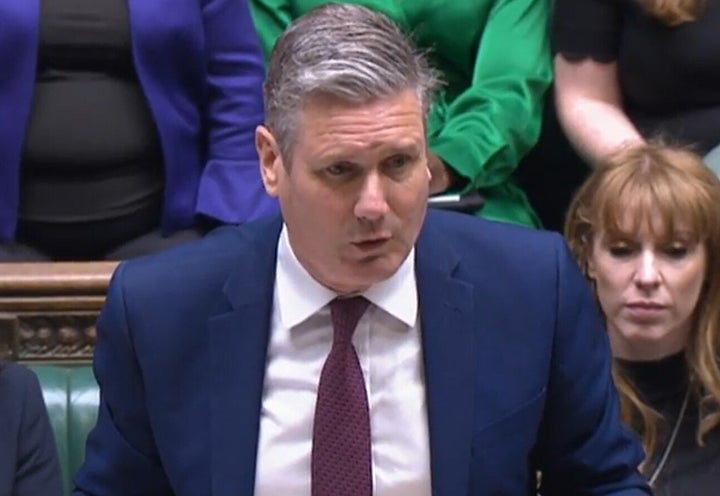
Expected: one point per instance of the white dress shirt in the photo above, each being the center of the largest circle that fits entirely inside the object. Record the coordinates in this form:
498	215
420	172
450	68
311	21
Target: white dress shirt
387	341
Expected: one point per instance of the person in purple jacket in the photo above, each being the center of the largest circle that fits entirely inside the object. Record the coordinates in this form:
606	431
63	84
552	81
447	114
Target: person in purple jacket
126	126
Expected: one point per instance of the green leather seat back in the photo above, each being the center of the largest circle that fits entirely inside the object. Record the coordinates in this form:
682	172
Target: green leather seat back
53	381
84	402
71	396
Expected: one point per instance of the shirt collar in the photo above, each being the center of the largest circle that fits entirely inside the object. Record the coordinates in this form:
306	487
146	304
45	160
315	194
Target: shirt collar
299	296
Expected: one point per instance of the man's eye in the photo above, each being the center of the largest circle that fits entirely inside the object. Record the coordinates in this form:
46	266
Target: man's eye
339	169
398	161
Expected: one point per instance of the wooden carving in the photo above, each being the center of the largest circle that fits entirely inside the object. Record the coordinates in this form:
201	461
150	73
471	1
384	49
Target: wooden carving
48	309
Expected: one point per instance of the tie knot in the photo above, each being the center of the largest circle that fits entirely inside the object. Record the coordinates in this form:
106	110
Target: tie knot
345	314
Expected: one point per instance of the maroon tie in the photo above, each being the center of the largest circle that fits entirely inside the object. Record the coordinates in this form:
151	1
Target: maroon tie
341	463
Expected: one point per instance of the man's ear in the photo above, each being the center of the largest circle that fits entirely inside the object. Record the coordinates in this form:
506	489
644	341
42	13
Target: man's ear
427	164
271	161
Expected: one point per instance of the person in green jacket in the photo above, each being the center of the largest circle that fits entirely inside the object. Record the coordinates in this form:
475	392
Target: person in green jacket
494	57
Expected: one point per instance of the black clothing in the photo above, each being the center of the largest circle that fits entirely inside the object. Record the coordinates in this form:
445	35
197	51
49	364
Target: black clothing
92	153
669	76
691	470
150	242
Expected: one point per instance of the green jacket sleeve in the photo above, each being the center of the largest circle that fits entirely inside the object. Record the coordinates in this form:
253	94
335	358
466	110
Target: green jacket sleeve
271	17
484	131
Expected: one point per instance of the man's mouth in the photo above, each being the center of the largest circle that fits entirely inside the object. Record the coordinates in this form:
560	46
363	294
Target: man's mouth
371	244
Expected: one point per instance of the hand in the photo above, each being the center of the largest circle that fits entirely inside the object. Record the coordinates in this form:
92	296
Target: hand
441	176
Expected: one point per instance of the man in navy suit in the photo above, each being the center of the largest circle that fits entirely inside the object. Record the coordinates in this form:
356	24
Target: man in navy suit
478	362
29	463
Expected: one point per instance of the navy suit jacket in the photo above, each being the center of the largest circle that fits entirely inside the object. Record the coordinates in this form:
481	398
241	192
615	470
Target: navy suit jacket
201	69
517	367
29	463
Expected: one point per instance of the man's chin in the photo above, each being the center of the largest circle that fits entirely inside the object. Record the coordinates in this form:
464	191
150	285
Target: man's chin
360	279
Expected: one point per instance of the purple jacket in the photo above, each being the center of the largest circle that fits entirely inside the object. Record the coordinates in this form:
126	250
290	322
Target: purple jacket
201	69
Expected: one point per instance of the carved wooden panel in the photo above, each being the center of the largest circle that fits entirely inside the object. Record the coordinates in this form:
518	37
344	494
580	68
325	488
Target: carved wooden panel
48	310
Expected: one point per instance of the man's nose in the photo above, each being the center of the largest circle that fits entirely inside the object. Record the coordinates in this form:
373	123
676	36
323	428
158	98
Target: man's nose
372	203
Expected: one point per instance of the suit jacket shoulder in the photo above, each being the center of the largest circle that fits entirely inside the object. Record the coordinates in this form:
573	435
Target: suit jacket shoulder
486	247
512	334
198	271
28	456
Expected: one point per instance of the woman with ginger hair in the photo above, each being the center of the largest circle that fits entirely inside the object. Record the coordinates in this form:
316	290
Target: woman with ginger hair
645	228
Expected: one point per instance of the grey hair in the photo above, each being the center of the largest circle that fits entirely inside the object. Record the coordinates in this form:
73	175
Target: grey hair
344	51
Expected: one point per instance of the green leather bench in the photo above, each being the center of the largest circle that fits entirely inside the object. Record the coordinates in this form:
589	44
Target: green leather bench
47	322
71	396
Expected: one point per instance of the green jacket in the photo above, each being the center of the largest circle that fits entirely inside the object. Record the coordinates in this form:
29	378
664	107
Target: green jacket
494	56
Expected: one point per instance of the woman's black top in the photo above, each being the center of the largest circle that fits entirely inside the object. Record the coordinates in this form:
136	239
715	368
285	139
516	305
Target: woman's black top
92	152
690	470
669	76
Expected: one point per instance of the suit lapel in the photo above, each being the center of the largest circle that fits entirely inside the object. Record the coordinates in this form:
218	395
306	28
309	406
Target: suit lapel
238	348
449	348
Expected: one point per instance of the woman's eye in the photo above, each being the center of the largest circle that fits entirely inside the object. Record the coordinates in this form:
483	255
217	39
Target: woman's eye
676	251
619	251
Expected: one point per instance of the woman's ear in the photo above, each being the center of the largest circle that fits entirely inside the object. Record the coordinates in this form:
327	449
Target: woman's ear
590	263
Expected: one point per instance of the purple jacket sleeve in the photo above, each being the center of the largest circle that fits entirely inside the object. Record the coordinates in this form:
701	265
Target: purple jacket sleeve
231	188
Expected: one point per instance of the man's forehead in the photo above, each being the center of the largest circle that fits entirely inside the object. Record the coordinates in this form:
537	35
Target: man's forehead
396	122
327	105
344	150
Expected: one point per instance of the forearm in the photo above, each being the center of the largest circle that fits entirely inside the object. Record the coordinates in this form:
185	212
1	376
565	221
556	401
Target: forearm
231	188
590	107
595	128
496	119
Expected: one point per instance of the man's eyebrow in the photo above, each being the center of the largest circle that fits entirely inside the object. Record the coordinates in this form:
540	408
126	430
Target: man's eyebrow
412	149
409	148
335	158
